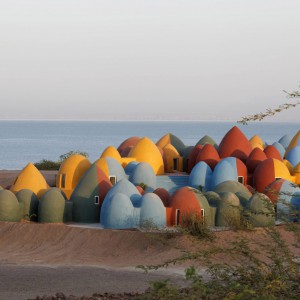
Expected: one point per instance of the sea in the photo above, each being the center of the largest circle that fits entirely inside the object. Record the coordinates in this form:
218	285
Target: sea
22	142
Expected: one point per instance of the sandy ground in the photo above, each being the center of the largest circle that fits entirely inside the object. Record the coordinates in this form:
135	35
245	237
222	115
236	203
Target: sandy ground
38	259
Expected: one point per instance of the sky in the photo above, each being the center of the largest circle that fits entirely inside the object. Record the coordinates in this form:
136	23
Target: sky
154	59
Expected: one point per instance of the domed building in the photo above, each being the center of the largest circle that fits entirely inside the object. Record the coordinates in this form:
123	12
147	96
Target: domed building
30	178
172	160
89	194
201	176
171	139
29	203
164	196
146	151
210	155
257	142
285	141
235	144
293	156
207	140
268	171
111	151
229	168
294	142
51	207
143	174
10	209
272	152
254	159
70	172
279	148
188	201
193	154
126	146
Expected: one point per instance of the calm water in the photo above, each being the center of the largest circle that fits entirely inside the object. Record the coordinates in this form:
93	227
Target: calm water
31	141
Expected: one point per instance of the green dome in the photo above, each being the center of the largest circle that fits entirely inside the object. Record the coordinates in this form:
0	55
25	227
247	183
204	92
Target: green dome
207	140
261	211
51	207
29	203
9	207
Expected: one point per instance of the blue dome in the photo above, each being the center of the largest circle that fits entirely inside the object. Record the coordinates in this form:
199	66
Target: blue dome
131	167
152	211
115	168
118	213
124	187
225	170
285	141
143	173
201	175
293	156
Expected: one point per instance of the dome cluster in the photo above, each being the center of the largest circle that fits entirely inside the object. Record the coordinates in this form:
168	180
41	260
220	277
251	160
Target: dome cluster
141	183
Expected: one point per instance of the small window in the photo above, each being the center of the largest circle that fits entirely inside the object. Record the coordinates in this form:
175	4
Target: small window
177	221
241	179
96	200
175	164
113	179
202	215
63	181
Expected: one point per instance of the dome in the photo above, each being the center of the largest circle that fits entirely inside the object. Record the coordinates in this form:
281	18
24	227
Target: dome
255	158
9	207
280	148
169	154
267	171
30	178
70	172
293	156
113	153
164	195
228	210
143	173
130	167
111	167
213	198
261	211
229	168
272	152
207	140
256	141
186	201
152	211
294	142
146	151
201	176
29	202
285	141
89	194
171	139
51	207
193	154
127	145
118	213
209	155
125	187
235	144
186	153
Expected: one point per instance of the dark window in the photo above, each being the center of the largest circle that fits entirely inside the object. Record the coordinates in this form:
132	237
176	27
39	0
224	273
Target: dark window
63	181
177	216
96	200
175	164
241	179
113	179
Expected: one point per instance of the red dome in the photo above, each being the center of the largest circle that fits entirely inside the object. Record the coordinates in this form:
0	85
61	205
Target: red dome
272	152
235	144
192	157
208	154
163	195
130	142
264	174
273	189
254	159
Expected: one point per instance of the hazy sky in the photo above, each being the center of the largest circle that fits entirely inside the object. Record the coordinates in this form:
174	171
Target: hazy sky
121	59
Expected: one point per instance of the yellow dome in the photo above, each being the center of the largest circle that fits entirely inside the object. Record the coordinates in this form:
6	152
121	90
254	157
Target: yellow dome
70	172
294	142
170	153
289	166
164	141
112	152
256	145
30	178
282	171
256	140
146	151
102	164
297	173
